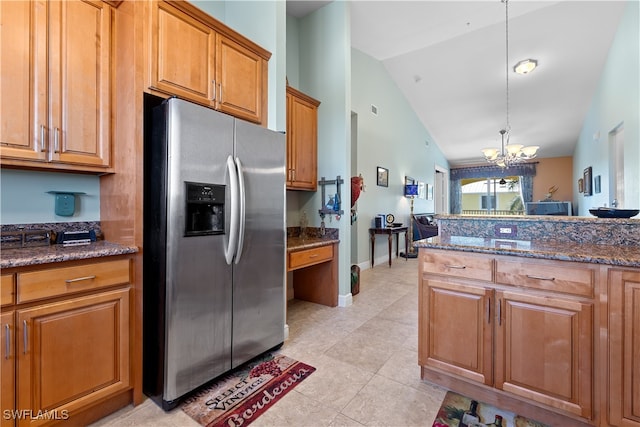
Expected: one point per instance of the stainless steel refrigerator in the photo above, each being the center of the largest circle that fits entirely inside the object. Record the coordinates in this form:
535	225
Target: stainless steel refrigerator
214	246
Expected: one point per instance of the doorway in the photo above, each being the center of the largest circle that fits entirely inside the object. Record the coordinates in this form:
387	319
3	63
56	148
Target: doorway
441	190
616	166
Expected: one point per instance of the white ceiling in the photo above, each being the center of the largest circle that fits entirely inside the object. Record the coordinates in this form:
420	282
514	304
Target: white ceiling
448	58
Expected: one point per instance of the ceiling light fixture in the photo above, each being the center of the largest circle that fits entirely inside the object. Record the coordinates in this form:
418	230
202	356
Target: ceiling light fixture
508	154
525	66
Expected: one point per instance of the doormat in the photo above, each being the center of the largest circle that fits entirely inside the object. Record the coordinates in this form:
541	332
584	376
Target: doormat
241	396
457	410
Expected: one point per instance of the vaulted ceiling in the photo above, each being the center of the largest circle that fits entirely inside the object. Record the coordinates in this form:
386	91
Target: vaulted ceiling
449	60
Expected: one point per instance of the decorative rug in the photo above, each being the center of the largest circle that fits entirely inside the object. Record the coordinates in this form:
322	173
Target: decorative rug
457	410
242	395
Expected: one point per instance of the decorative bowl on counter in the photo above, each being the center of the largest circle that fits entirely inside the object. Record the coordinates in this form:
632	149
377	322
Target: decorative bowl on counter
614	213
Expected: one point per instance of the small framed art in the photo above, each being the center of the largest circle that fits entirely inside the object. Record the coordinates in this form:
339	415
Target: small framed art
588	190
383	176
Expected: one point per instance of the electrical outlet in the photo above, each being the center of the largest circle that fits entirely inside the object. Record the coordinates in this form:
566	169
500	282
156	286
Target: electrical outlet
506	230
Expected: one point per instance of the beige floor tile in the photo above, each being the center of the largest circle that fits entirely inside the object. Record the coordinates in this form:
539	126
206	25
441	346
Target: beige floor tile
384	402
365	357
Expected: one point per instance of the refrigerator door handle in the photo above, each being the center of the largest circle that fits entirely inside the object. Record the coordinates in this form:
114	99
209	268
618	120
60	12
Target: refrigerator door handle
230	250
242	210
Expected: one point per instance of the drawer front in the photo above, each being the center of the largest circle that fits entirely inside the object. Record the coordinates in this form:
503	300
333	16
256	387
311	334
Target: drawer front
68	280
309	257
6	290
557	276
457	264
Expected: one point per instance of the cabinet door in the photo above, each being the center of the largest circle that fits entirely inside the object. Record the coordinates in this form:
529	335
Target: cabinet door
182	55
80	76
241	79
544	350
624	347
302	142
72	353
8	367
456	329
23	86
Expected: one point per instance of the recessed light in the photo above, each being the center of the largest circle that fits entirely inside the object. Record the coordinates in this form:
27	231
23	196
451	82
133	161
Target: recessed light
525	66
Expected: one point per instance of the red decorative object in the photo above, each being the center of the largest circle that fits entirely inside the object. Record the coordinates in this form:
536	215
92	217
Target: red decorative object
356	187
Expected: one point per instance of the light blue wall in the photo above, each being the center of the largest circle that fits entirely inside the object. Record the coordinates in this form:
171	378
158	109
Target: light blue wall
24	198
615	102
395	139
324	72
264	23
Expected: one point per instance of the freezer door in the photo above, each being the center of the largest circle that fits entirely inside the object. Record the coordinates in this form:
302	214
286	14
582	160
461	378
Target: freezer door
198	289
259	276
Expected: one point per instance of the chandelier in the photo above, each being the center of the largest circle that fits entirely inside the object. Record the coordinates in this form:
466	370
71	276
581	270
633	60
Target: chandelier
508	154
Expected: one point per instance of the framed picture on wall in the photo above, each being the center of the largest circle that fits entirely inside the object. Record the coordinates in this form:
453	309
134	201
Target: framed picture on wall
587	177
580	185
383	176
596	184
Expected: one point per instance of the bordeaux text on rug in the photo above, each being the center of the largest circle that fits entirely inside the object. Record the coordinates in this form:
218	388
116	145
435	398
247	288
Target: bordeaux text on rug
241	396
460	411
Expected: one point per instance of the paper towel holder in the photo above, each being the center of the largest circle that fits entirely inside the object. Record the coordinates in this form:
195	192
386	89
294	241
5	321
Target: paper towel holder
65	202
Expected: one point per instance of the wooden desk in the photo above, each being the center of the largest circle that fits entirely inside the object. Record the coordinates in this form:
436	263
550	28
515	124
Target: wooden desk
389	231
315	272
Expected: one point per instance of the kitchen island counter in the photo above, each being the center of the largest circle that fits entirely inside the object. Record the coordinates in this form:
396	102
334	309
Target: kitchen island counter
620	255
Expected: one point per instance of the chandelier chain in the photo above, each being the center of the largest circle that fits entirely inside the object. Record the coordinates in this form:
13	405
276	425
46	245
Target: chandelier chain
507	154
506	64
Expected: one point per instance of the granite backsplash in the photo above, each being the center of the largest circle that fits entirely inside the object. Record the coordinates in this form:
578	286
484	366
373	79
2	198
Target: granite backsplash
584	230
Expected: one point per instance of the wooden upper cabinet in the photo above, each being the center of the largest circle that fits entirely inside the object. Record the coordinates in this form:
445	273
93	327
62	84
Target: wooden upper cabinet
195	57
241	79
55	101
302	141
183	55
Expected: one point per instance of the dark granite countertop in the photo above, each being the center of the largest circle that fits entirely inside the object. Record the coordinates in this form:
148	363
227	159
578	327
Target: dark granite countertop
313	238
619	255
298	243
20	257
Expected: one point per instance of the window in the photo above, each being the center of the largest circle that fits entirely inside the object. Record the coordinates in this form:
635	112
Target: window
488	202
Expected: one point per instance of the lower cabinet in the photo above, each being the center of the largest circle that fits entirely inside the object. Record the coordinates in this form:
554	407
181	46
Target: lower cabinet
8	361
531	343
68	351
544	350
624	347
72	353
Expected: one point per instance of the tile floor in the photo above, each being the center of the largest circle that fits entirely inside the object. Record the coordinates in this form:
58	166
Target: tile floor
366	360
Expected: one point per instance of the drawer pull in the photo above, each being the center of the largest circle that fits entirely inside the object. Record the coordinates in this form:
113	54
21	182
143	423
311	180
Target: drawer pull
499	312
79	279
551	279
313	256
25	340
459	267
7	341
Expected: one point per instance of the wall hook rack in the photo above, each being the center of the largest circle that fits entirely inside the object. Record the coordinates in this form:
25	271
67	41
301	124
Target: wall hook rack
325	210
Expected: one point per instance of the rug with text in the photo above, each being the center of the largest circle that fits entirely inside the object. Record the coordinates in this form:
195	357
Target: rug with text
457	410
241	396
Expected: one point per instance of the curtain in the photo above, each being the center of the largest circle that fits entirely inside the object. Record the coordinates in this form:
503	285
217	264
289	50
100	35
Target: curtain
526	172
